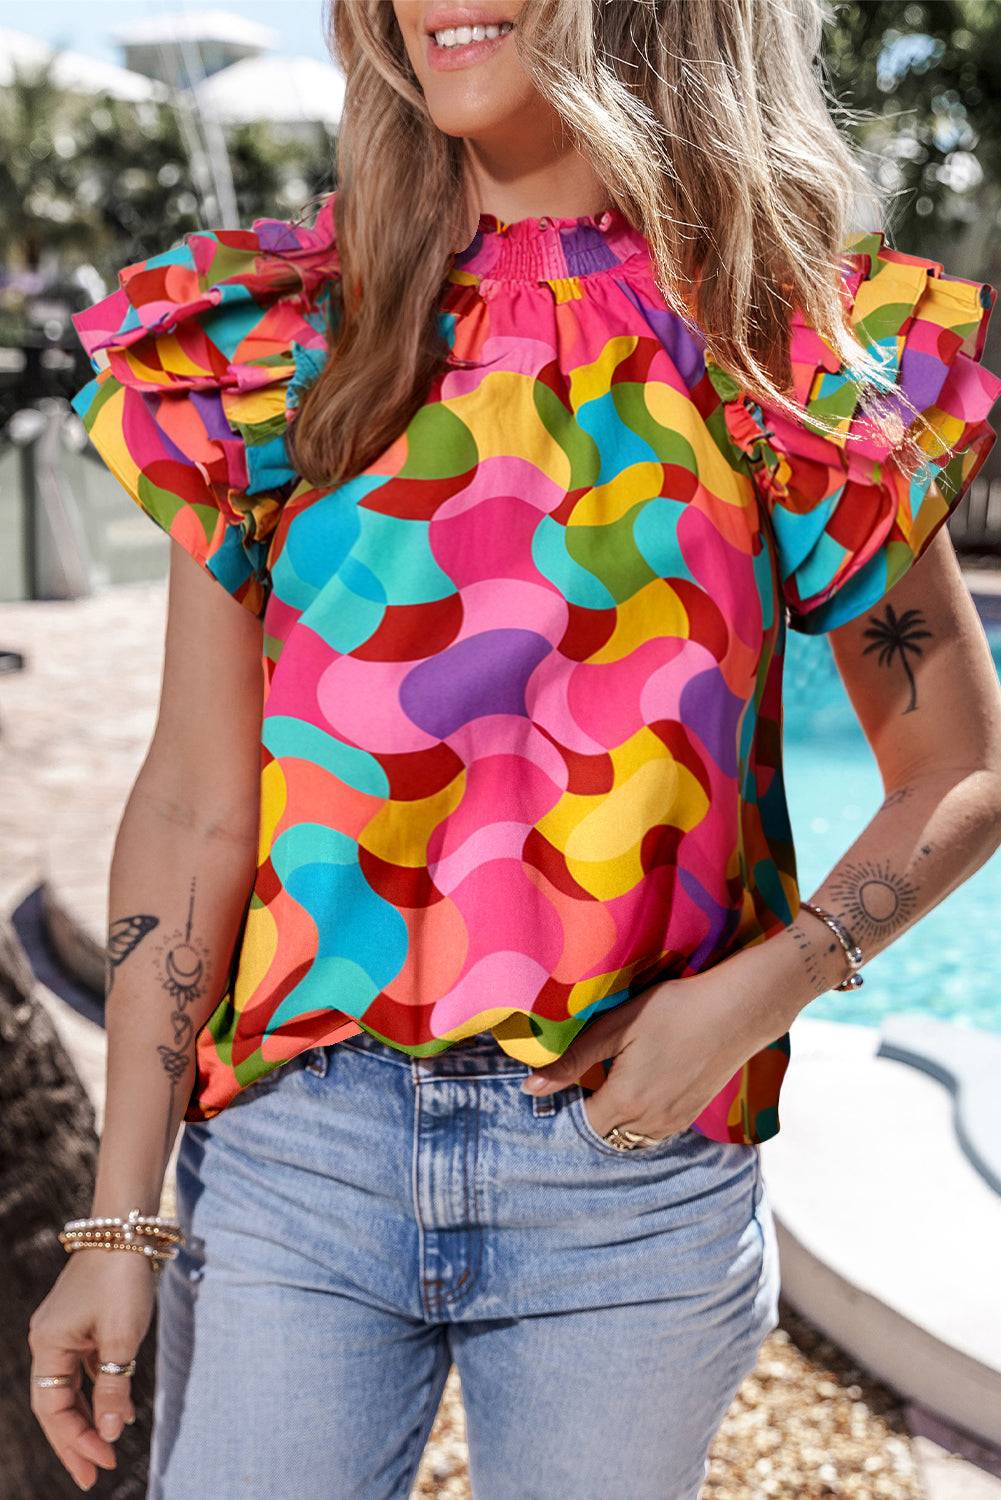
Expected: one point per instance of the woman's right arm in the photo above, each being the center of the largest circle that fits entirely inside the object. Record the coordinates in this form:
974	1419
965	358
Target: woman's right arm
182	870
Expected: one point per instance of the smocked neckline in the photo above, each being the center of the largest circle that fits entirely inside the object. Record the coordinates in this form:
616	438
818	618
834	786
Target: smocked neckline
550	246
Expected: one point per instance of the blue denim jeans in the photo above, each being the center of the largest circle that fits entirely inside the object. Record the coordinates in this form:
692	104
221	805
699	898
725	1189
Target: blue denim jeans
360	1220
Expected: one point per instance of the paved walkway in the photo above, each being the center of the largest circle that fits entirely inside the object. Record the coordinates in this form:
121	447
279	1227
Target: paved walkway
74	728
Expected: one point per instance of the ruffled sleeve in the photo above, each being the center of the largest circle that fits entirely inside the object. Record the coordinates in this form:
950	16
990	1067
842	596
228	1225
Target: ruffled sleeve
846	521
201	355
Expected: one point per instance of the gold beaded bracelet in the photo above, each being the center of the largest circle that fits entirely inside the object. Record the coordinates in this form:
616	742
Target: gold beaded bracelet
155	1257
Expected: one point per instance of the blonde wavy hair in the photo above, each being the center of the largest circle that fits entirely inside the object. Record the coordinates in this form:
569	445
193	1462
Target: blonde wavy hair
712	127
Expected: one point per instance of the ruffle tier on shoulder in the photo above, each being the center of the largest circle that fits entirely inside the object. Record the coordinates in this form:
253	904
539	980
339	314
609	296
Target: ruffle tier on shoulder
846	519
201	355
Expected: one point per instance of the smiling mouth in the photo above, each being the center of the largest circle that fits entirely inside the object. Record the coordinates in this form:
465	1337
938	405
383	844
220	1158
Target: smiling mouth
450	37
452	47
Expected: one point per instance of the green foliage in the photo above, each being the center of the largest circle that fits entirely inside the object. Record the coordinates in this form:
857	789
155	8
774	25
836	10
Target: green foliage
106	182
926	77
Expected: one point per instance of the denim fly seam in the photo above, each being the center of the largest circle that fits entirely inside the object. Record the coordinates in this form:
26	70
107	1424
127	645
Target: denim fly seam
450	1212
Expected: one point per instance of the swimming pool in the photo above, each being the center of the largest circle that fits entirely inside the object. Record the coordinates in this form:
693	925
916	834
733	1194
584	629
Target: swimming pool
947	965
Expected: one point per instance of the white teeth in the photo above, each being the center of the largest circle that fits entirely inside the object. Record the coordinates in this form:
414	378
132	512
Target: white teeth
460	36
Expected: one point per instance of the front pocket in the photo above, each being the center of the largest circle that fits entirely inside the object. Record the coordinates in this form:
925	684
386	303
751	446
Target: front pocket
582	1123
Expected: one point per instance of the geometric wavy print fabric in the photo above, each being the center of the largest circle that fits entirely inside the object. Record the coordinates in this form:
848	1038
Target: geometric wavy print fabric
521	752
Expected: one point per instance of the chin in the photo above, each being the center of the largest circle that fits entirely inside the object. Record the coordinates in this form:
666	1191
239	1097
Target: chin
471	123
477	110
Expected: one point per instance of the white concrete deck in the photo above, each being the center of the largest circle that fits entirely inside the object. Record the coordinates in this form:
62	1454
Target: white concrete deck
888	1235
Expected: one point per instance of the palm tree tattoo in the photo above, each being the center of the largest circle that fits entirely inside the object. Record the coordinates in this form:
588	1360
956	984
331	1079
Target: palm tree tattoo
896	636
183	974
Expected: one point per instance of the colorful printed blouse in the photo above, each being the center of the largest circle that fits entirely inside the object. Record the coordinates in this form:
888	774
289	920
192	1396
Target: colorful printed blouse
521	752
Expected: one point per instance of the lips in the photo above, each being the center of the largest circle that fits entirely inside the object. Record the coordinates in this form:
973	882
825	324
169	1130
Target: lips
462	54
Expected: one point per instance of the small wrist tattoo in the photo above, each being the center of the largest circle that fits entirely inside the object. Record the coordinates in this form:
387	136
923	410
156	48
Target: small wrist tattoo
812	965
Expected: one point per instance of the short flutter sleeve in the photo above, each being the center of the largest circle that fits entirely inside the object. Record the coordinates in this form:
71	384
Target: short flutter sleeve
200	356
846	520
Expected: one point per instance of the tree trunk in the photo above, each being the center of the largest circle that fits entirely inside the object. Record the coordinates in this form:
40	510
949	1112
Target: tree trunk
48	1156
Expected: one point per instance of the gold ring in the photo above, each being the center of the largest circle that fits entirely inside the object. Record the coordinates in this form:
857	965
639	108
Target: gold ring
46	1380
627	1140
111	1367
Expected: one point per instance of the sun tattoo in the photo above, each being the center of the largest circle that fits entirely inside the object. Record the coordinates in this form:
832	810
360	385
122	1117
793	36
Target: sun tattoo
184	968
875	899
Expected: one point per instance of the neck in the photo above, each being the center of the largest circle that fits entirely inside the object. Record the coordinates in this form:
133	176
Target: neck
563	185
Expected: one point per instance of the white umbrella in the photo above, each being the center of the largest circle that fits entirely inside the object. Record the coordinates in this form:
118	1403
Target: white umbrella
282	90
73	70
198	26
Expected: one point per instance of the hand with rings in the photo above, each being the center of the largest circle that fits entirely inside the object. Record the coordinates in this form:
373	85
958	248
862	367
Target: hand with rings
674	1048
94	1319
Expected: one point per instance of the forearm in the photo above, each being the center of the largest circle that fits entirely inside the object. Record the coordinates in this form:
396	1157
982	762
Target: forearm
929	835
177	893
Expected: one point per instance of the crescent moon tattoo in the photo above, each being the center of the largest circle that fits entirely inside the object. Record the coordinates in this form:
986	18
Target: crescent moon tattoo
184	970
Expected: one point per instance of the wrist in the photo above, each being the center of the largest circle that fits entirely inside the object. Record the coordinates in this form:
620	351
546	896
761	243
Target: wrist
118	1197
809	961
778	977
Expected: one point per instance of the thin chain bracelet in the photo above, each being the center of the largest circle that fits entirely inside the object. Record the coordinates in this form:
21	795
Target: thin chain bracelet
853	980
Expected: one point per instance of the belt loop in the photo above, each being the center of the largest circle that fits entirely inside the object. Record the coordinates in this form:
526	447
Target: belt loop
543	1104
317	1061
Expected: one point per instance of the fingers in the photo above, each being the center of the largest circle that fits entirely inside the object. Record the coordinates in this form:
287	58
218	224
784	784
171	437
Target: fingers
600	1040
606	1107
613	1104
63	1415
112	1394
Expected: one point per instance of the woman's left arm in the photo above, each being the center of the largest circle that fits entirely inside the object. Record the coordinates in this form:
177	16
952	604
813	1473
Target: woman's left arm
923	684
919	673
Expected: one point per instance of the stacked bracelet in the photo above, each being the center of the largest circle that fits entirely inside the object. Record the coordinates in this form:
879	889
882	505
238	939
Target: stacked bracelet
151	1235
853	953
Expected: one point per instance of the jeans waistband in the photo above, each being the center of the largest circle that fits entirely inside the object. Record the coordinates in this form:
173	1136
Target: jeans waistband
481	1053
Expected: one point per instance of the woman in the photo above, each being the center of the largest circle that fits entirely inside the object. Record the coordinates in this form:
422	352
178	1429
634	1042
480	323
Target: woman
454	909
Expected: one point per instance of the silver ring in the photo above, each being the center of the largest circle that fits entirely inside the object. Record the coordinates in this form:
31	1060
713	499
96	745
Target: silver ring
111	1367
48	1380
627	1140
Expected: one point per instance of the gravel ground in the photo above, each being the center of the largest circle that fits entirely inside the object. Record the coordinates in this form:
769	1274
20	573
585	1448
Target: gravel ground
805	1425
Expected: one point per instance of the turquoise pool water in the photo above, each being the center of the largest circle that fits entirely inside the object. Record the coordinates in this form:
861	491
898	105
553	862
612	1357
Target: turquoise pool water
948	964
